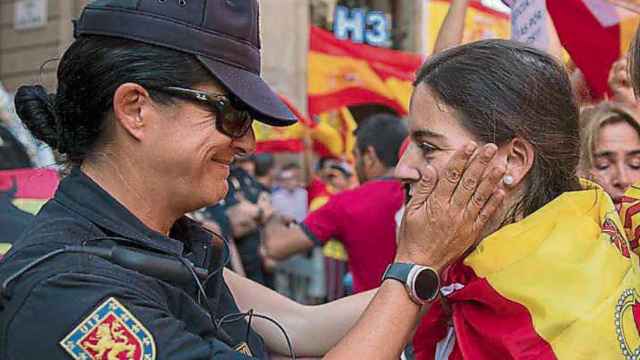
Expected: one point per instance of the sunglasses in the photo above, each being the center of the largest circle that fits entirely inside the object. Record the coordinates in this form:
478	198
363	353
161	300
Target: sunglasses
232	118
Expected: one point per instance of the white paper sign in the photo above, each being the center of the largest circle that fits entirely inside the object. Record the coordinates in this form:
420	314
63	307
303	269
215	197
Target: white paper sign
30	14
529	22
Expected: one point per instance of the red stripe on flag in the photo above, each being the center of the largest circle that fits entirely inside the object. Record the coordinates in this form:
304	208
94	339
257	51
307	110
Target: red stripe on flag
488	326
385	62
349	97
592	47
291	145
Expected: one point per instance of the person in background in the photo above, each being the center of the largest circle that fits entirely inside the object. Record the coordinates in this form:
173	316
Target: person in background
264	168
610	147
339	176
361	218
290	198
620	83
245	208
13	221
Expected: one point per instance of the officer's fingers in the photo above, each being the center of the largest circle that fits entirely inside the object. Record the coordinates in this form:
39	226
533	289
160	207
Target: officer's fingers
488	211
449	179
473	175
421	190
483	194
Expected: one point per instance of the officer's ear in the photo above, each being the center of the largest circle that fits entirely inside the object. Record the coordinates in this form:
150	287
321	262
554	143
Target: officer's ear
132	108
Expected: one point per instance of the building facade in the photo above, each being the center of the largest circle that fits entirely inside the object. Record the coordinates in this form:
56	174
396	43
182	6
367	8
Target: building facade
29	56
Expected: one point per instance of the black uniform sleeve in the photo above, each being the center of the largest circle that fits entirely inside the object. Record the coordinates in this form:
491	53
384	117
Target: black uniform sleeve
84	316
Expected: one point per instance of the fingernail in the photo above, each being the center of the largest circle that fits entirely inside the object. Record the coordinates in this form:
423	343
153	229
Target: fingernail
470	148
490	149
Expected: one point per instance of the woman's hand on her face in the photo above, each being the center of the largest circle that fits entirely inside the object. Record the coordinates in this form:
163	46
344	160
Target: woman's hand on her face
447	215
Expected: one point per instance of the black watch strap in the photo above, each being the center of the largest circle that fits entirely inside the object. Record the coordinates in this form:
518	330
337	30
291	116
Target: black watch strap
422	282
398	271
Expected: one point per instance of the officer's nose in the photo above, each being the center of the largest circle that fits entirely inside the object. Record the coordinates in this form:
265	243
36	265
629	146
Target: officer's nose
246	145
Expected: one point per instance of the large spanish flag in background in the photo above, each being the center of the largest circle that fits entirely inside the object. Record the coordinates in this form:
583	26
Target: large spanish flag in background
342	73
596	33
560	284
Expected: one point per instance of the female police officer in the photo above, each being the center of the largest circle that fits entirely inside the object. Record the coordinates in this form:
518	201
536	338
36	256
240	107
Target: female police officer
154	100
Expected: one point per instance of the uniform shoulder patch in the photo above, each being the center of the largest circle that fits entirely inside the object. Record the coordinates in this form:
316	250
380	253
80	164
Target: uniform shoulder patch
110	332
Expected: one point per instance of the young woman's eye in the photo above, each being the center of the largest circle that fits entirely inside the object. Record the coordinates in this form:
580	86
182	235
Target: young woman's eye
427	149
634	163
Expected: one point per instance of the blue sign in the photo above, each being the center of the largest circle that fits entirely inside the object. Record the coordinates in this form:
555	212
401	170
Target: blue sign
361	26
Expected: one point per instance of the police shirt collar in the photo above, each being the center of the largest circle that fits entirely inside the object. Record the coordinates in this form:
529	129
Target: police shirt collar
82	195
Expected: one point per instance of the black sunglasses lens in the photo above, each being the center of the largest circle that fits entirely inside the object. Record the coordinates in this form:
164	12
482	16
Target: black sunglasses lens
235	123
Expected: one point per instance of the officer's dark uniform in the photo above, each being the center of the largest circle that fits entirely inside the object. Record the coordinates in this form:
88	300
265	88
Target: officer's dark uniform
74	304
242	184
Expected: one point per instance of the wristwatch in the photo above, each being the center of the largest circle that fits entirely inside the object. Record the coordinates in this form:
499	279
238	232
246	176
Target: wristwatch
422	282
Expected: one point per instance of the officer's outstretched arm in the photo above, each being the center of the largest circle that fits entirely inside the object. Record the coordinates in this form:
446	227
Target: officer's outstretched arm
313	330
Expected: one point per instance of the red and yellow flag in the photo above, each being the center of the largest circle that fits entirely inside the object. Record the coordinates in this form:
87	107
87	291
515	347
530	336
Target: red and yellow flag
596	34
332	134
560	284
342	73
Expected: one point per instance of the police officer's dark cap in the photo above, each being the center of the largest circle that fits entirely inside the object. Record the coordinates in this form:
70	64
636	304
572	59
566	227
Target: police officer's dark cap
223	34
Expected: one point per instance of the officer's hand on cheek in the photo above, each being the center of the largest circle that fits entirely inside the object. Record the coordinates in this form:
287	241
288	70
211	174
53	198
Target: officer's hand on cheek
447	213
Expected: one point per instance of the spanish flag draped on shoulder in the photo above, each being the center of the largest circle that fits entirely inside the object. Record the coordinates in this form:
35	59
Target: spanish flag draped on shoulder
563	283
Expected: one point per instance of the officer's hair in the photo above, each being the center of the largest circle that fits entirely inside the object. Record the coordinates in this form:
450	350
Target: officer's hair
385	133
72	120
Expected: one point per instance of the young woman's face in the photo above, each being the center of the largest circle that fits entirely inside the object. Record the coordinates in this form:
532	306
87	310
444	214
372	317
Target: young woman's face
435	135
616	159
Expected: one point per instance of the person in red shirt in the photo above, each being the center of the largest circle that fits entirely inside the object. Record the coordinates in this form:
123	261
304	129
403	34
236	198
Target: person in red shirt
361	218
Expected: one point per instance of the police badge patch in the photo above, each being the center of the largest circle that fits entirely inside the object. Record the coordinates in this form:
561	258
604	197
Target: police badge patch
110	332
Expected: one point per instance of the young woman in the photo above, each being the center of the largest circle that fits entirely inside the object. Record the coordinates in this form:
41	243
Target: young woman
552	275
154	100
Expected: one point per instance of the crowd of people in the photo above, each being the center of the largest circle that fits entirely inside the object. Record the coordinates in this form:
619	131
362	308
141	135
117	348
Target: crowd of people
496	222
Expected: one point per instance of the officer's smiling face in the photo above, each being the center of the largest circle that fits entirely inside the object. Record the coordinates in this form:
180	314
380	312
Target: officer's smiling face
191	155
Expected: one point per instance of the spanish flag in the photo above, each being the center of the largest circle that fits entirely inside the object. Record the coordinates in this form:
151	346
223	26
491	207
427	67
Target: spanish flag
332	134
560	284
596	34
342	73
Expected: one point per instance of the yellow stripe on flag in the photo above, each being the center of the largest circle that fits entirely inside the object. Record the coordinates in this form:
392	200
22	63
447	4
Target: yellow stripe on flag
562	264
330	73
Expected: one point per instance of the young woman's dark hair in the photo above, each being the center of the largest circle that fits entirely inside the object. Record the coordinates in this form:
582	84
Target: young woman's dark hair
502	89
72	120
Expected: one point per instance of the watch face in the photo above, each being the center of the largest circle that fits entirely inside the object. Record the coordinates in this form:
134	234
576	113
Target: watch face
426	284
